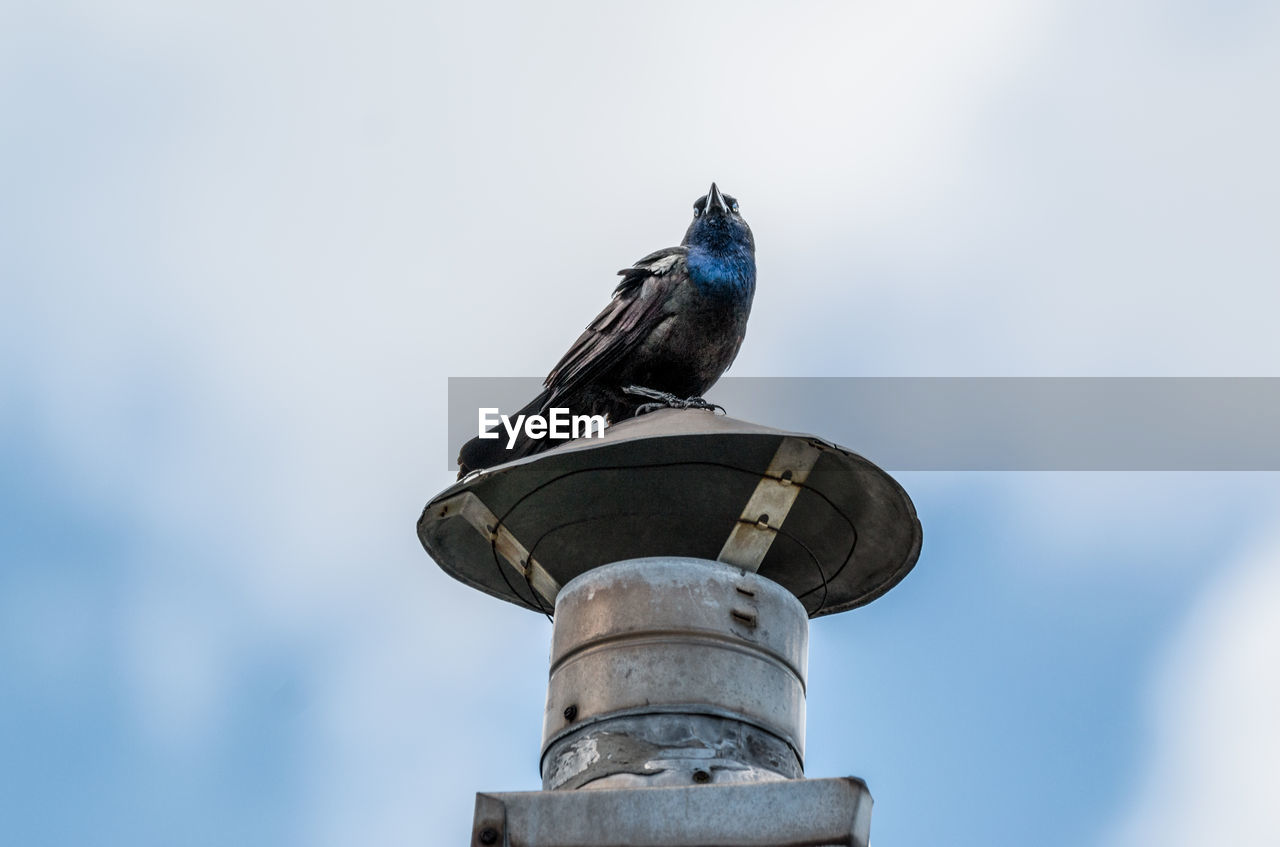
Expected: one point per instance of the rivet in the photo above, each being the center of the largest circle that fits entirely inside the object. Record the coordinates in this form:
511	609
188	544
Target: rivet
488	835
570	713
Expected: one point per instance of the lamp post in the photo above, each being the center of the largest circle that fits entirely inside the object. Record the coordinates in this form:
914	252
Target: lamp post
681	556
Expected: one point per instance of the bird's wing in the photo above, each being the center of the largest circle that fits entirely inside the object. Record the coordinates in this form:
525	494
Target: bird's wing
638	306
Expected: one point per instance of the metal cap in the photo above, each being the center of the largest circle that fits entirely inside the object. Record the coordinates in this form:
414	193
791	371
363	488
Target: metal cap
822	521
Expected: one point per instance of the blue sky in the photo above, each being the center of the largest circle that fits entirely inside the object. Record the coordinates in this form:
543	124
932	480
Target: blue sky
243	246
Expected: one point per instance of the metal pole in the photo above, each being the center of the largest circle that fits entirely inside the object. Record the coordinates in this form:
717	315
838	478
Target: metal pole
682	555
674	671
675	718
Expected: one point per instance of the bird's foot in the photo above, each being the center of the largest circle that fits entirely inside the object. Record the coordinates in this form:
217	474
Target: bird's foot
667	400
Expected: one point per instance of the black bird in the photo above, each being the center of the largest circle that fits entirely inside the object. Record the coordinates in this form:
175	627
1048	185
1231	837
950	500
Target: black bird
674	325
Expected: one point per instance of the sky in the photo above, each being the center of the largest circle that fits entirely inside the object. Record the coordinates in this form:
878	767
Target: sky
243	246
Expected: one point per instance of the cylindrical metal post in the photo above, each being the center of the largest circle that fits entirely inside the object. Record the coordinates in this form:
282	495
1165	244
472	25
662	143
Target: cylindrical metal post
671	671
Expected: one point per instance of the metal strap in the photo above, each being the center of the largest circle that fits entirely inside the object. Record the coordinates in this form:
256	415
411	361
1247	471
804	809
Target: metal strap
753	534
471	507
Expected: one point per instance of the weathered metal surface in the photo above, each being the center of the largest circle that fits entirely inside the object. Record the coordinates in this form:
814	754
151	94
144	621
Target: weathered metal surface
788	813
771	502
667	749
655	639
468	506
681	483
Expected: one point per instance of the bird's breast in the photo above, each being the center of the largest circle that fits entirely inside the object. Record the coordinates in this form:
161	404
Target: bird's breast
697	339
730	274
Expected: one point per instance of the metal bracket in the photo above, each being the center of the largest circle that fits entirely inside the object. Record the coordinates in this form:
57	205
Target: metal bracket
471	507
775	494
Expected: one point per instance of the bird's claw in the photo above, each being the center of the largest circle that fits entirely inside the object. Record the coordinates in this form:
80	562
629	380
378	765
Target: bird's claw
667	400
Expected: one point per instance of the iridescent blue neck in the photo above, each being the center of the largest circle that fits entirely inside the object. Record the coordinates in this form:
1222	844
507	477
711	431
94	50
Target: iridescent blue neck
730	272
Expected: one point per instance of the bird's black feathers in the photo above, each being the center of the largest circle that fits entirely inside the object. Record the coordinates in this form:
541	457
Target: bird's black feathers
674	325
639	305
651	265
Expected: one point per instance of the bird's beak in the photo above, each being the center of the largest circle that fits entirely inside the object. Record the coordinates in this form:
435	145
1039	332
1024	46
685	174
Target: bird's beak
715	202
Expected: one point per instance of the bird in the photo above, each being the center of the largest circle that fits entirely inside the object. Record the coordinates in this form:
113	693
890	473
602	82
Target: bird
675	323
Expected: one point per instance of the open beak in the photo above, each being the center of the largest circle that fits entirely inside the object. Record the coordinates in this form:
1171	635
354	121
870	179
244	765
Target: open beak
715	202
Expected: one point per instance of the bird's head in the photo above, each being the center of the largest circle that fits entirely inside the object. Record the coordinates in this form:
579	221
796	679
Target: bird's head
717	224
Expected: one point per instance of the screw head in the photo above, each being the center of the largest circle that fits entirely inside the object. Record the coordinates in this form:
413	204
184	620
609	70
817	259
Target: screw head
488	835
570	713
700	776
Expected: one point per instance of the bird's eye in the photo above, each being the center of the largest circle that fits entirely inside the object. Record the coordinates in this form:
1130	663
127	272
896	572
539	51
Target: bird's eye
734	205
696	211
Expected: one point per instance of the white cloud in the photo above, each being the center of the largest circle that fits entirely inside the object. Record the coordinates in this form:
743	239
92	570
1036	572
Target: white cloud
1212	773
259	238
